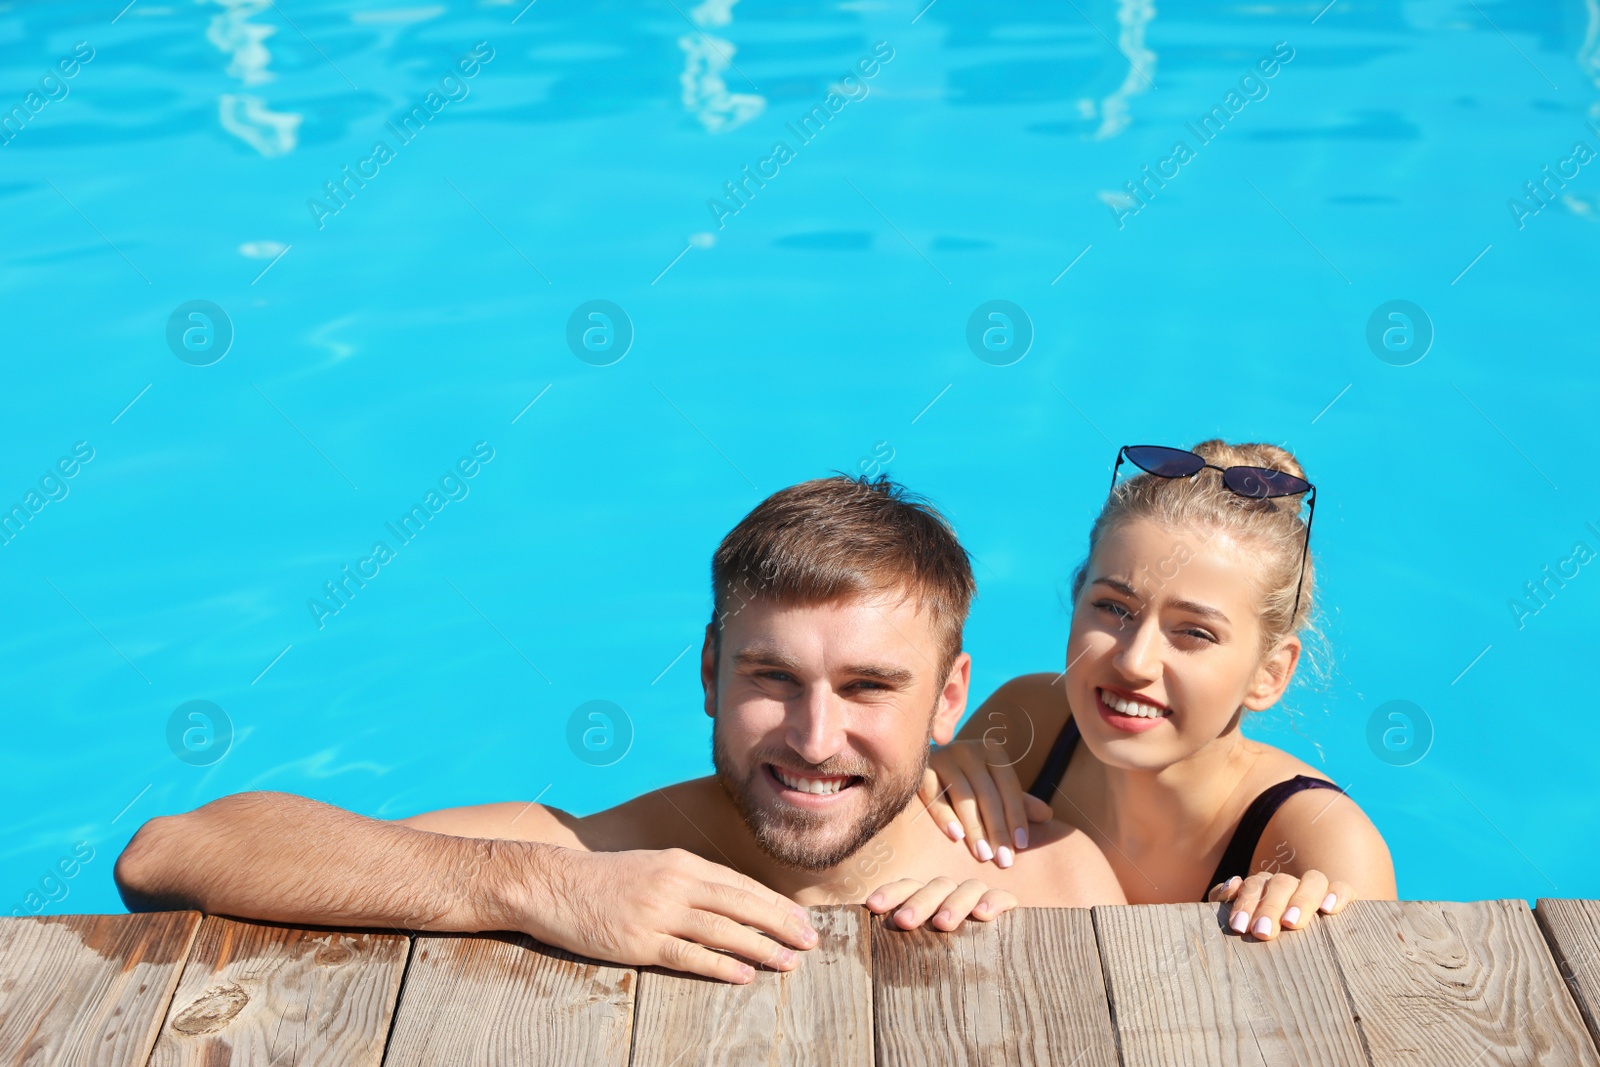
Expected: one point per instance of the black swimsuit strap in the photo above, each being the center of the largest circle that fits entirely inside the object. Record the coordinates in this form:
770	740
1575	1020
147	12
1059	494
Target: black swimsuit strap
1055	764
1236	859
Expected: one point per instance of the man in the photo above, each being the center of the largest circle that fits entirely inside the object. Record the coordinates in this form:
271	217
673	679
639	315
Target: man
833	657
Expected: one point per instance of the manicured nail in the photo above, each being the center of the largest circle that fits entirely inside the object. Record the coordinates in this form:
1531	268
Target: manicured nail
985	853
1234	882
1021	837
955	831
1240	921
1263	927
1003	857
1329	901
1291	916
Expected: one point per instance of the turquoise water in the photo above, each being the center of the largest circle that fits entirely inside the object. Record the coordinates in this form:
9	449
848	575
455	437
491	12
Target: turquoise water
370	343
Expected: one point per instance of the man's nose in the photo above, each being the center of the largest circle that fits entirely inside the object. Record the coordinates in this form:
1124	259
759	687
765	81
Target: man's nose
815	727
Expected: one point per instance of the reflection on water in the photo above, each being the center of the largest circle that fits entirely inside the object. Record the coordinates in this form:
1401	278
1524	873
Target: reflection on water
1132	16
705	94
245	115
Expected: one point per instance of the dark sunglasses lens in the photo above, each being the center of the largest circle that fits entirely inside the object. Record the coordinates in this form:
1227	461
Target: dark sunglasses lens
1167	462
1261	482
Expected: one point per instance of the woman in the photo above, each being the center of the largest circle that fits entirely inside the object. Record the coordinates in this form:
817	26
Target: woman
1186	617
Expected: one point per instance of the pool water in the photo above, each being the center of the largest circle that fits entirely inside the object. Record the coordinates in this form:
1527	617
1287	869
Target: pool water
262	346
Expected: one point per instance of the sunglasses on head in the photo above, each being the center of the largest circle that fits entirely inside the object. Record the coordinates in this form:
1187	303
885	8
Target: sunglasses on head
1257	483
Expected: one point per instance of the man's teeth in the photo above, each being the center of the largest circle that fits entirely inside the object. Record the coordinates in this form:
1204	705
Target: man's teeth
1131	707
822	786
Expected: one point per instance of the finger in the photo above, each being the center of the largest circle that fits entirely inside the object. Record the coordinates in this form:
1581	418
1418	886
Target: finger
1264	923
722	933
994	903
958	904
891	896
686	956
915	911
992	812
1302	907
1225	891
932	794
959	794
1011	794
1339	894
761	908
1036	809
1245	901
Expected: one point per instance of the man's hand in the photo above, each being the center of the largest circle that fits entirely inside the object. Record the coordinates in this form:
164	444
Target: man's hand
668	909
914	902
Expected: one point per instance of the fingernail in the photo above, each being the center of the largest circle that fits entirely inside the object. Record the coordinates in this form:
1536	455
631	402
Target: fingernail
985	853
746	972
943	917
1329	901
904	916
1003	858
1021	837
1263	927
1235	880
875	900
806	934
1240	921
1291	916
786	958
955	831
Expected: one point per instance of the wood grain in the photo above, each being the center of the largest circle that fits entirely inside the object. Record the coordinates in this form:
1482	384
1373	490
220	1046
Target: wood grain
267	993
1185	991
496	999
1024	989
88	989
1440	984
1572	930
820	1013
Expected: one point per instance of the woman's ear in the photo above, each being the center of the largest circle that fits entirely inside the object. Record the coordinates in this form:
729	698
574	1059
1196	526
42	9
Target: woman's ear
1273	675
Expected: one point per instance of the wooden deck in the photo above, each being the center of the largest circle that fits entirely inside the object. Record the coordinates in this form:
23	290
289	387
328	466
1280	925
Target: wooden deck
1430	984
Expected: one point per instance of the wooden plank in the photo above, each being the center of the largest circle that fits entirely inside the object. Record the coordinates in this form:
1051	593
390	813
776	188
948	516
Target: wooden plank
820	1013
1439	983
88	989
265	993
1185	992
498	999
1572	930
1024	989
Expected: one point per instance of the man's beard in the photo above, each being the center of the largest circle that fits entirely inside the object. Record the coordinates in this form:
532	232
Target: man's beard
796	837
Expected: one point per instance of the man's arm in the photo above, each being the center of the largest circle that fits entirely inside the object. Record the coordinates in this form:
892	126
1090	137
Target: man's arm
284	858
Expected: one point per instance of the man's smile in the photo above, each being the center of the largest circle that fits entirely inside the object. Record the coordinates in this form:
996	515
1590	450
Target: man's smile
790	781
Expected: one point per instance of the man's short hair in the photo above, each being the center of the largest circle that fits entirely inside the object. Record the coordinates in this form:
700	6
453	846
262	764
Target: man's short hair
838	538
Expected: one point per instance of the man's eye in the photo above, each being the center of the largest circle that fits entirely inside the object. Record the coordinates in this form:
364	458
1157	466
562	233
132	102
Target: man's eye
1114	608
777	676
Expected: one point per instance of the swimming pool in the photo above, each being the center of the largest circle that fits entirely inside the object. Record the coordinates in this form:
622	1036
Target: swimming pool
581	299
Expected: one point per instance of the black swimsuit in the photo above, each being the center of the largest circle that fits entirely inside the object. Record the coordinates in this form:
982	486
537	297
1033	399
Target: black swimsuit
1236	858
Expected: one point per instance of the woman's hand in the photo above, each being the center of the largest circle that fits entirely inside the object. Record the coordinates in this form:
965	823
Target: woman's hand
948	903
973	794
1266	902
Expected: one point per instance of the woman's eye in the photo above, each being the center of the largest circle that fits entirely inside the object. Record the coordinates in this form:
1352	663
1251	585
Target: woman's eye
1201	635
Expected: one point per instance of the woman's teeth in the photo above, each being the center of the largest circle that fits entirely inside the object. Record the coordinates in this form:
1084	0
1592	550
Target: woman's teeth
1138	710
821	786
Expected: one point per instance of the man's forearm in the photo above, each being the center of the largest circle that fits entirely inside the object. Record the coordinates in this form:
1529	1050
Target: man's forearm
283	858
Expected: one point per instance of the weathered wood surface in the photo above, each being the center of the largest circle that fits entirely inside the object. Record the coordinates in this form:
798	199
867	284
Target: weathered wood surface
1440	984
1572	929
817	1015
88	990
505	999
1186	992
1026	990
1384	984
264	993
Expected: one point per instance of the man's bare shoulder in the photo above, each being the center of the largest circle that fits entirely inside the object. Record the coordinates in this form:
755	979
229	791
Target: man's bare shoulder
661	818
1063	868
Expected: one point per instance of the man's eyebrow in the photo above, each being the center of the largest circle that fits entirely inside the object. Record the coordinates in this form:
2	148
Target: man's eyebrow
1189	607
897	676
759	656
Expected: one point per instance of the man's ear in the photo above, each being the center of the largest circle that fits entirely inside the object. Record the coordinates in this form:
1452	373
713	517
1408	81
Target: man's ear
952	699
1273	675
708	669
